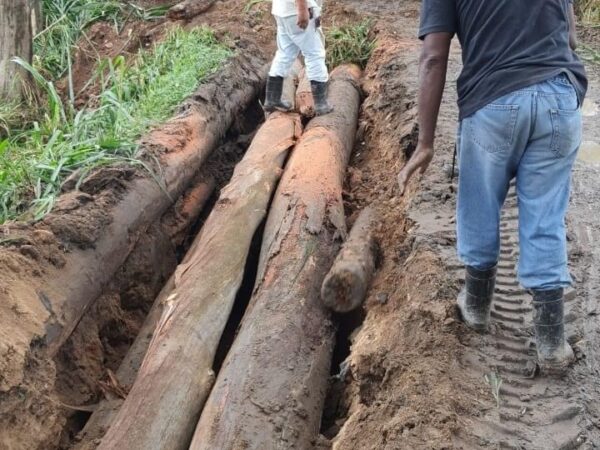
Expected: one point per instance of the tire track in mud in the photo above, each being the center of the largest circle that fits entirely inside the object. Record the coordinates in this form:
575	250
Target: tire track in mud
533	412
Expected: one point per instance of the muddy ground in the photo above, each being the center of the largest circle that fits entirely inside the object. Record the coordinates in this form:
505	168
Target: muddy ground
406	373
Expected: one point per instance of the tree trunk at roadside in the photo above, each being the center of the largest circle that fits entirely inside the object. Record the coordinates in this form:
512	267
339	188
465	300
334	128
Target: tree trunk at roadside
16	39
347	283
189	9
272	386
176	375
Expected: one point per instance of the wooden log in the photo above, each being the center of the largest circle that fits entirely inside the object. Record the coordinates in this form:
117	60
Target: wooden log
189	9
193	202
305	103
345	286
271	388
185	142
176	375
188	207
105	413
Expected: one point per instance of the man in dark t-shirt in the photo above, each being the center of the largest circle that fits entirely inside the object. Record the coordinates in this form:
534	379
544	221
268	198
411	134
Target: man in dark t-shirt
519	98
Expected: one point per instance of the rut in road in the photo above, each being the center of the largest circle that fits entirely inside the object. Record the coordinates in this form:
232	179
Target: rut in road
533	412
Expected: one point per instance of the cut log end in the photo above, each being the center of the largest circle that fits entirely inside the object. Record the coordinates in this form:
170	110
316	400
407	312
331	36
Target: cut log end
346	286
345	289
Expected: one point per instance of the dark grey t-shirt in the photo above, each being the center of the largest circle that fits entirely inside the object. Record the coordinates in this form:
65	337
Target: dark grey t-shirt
506	45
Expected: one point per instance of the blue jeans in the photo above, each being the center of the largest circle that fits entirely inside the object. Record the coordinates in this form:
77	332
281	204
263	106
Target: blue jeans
532	134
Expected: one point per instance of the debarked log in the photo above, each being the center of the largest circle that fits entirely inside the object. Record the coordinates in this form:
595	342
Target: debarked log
176	374
270	391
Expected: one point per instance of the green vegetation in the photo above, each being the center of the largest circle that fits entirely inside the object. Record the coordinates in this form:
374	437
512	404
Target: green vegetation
589	54
588	11
349	44
65	22
34	162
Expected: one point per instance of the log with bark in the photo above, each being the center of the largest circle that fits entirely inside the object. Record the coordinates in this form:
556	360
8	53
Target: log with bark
345	286
271	389
176	375
16	39
189	9
184	143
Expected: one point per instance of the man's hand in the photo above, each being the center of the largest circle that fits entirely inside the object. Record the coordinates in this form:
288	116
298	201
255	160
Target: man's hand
419	161
303	17
432	78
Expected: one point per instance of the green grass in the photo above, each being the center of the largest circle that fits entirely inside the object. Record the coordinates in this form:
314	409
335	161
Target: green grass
589	54
135	96
588	11
349	44
65	22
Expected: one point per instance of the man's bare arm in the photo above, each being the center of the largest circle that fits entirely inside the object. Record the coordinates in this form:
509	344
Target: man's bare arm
303	15
572	27
433	66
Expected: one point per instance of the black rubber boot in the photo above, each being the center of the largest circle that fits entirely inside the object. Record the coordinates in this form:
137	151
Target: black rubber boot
273	101
475	300
319	92
554	352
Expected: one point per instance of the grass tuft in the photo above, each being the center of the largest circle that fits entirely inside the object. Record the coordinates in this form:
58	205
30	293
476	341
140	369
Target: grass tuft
349	44
588	11
34	162
65	22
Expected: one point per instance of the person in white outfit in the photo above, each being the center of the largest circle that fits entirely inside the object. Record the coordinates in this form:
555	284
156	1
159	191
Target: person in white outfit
298	31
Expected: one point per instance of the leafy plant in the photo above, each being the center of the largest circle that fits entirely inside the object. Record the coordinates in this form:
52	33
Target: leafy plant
34	162
65	22
495	382
588	11
350	44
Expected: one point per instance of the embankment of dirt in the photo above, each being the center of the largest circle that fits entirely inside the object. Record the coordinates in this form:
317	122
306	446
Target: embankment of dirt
52	272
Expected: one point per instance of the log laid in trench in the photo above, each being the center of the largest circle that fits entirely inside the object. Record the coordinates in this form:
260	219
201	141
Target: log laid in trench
193	201
270	391
346	284
104	415
176	375
185	142
189	9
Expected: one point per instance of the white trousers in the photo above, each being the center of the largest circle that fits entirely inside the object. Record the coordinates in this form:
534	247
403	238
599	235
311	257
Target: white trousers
292	40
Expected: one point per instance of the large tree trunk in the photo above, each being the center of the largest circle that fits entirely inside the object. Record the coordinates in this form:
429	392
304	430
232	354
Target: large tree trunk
99	422
271	388
184	144
347	283
176	375
16	39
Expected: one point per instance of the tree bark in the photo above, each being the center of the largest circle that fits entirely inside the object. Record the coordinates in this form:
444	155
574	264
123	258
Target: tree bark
184	144
346	284
189	9
176	375
104	414
16	39
271	388
305	103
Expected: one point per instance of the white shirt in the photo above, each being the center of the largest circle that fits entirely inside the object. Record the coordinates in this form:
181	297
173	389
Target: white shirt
286	8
